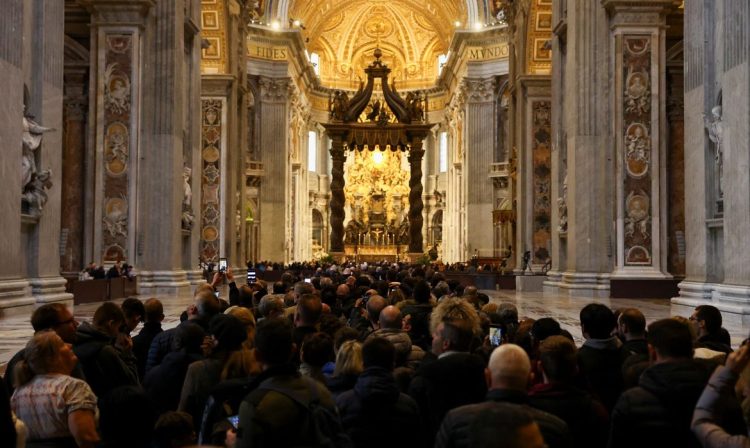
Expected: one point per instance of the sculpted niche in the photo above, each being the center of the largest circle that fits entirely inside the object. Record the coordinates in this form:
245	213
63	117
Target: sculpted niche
35	182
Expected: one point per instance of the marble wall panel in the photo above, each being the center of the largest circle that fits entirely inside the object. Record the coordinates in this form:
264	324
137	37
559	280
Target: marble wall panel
541	154
638	152
117	129
211	140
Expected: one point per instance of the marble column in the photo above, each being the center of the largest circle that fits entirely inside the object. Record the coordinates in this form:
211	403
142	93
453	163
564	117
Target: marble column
338	158
274	196
159	171
585	124
416	204
640	131
73	175
481	139
45	60
15	293
717	74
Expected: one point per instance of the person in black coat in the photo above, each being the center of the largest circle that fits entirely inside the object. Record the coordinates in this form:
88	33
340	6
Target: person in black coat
154	315
164	382
600	356
659	410
456	378
417	314
586	417
509	374
106	364
375	413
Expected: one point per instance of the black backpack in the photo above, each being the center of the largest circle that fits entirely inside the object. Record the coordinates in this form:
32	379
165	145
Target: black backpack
325	424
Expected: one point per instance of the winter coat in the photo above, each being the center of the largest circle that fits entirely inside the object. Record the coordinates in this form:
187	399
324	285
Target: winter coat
446	383
658	411
600	363
141	344
407	354
712	407
104	366
163	343
420	323
337	385
586	417
454	431
164	382
376	414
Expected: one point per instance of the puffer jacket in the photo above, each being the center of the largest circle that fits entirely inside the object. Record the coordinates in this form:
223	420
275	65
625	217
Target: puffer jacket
407	354
658	411
376	414
716	402
104	366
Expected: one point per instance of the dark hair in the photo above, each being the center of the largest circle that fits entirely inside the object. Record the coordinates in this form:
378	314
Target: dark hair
309	309
108	311
173	426
273	340
126	404
279	287
597	320
459	333
207	304
544	328
154	310
317	349
188	336
344	334
671	338
133	307
378	352
634	319
47	316
711	316
245	296
228	331
421	292
499	426
558	357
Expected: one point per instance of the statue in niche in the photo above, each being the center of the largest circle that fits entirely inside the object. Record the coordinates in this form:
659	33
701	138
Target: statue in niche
562	207
403	232
374	113
187	199
637	215
35	183
339	105
715	128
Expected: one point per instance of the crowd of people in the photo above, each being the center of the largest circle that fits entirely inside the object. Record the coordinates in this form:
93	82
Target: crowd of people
359	356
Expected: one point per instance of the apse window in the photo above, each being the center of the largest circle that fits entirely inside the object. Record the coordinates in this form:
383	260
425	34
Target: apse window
315	61
442	60
312	151
443	152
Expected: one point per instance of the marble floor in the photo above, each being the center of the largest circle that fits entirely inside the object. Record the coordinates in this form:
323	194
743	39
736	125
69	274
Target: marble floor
15	330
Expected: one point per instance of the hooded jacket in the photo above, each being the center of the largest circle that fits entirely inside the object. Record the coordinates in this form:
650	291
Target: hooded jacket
658	411
376	414
104	366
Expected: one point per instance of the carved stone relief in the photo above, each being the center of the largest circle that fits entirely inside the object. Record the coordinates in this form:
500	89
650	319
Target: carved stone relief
117	132
211	129
637	153
542	180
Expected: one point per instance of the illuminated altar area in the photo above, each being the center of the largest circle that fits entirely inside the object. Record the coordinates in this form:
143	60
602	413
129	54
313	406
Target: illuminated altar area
376	191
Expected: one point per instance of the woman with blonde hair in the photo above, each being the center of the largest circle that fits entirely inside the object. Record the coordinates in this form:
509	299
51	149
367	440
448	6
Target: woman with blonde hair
58	410
348	367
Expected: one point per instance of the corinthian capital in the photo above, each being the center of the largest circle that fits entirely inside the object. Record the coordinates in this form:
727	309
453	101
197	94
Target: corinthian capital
479	90
275	89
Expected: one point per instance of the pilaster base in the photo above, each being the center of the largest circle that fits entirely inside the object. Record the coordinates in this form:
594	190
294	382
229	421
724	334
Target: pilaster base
15	297
50	289
551	285
530	283
732	300
581	284
163	283
639	274
195	277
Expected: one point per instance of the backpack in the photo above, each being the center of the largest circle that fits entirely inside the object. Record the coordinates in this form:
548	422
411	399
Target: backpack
325	424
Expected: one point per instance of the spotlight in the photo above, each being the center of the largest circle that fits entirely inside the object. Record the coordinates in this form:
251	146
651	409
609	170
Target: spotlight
477	26
275	25
457	24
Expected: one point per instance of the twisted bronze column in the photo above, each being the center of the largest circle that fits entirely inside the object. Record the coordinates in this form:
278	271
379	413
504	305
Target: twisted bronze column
415	197
337	196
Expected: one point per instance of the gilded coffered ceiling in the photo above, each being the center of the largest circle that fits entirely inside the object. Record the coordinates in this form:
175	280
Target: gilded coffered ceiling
411	33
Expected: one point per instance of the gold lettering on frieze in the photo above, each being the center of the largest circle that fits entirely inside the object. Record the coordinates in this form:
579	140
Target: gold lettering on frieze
488	53
268	53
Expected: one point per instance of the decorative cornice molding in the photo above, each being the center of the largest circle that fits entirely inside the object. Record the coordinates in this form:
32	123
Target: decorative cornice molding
118	12
479	90
275	89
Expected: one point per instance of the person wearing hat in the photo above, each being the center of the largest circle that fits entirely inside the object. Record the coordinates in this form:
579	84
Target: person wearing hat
227	333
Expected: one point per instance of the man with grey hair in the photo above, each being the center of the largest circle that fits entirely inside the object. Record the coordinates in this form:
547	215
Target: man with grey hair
508	374
270	306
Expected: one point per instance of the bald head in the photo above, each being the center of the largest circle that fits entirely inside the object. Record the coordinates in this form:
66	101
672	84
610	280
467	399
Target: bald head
470	291
375	305
390	318
342	290
509	368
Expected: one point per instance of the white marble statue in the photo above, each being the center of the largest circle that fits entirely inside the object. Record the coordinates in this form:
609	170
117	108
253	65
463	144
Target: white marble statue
32	139
715	129
187	191
562	207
